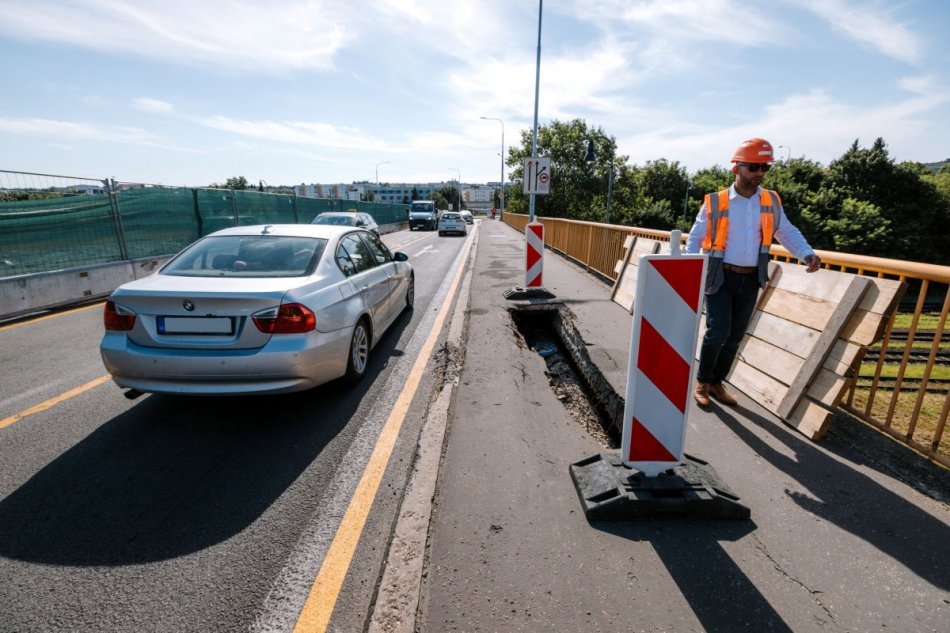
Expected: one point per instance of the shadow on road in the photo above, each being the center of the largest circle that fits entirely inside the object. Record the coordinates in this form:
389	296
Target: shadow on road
845	497
720	594
175	475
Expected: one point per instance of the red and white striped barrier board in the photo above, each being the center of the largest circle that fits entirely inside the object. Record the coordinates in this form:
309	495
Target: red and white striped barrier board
534	255
660	375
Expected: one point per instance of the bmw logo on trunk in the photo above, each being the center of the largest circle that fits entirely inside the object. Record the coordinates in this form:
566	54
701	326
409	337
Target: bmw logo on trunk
188	305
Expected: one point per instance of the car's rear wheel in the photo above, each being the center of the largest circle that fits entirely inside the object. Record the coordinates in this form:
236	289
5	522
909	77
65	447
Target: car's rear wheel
359	353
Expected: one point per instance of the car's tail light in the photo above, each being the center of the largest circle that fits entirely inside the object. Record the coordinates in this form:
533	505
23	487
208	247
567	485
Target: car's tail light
288	318
117	319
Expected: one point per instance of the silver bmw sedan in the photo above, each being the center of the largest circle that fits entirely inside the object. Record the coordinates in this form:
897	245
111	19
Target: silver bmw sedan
257	309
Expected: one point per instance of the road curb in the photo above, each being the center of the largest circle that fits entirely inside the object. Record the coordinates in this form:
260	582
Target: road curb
400	589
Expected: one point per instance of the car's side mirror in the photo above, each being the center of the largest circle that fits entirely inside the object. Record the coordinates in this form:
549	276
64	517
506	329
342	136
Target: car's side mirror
399	256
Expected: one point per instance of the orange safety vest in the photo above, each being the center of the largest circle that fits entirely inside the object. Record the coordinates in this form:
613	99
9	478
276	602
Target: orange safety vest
717	228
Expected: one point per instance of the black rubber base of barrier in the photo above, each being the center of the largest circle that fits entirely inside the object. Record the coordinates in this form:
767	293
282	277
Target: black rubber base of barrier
610	491
518	293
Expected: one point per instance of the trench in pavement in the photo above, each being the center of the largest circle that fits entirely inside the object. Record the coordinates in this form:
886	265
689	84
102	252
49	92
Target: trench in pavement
549	330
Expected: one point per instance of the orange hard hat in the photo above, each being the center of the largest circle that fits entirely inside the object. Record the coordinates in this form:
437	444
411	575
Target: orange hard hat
755	150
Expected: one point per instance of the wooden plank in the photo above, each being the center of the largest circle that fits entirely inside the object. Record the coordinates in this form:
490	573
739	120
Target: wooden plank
865	328
822	284
810	419
791	337
844	357
882	295
625	289
814	412
784	366
622	267
869	321
799	308
827	387
759	386
823	345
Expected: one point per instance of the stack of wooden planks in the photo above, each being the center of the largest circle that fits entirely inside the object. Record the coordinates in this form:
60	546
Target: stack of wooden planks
805	341
625	287
807	338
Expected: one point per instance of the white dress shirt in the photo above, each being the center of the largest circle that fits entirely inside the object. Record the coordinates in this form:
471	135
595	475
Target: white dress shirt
744	234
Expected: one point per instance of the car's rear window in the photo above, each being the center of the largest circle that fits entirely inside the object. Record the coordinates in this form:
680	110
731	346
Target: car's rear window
248	256
339	220
451	216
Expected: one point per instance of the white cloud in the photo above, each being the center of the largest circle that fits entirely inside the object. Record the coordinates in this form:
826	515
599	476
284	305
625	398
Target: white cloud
870	25
72	130
241	36
730	21
298	132
146	104
812	124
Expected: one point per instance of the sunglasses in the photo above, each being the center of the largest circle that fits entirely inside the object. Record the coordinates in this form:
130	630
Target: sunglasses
754	167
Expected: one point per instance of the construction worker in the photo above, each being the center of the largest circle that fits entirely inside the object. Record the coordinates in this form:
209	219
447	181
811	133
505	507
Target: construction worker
735	228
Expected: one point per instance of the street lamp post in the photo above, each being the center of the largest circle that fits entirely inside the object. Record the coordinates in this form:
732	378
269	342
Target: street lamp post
460	185
689	185
590	158
789	157
502	181
534	128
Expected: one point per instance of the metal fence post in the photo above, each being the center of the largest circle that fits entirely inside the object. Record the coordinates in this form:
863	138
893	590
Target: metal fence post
198	220
116	217
234	207
293	202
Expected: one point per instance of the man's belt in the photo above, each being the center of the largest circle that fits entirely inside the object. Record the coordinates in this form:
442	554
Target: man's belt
742	270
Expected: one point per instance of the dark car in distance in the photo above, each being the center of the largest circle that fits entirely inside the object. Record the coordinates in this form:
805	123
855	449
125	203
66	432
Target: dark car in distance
423	215
348	218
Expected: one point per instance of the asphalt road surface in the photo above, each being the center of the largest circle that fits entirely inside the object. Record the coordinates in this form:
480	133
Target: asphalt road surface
196	514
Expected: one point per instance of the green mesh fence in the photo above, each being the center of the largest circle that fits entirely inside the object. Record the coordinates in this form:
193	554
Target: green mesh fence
56	233
157	221
52	223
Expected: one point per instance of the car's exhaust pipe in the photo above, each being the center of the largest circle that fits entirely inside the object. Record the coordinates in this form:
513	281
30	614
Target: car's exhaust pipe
132	394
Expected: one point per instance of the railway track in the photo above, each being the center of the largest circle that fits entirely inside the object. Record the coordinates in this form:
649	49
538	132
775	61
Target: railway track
916	357
922	336
934	385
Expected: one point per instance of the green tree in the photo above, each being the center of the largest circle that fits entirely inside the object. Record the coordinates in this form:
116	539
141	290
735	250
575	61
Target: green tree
578	189
661	190
448	195
236	182
909	202
860	227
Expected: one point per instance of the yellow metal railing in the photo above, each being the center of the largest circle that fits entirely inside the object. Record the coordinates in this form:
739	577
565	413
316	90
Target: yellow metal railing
905	392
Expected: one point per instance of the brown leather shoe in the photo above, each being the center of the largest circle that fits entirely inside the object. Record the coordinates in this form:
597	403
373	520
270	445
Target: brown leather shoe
701	395
719	393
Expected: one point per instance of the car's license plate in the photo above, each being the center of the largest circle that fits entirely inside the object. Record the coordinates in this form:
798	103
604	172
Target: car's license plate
195	325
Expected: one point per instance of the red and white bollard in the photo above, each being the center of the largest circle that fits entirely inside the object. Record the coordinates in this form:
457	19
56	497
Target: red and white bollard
534	255
660	373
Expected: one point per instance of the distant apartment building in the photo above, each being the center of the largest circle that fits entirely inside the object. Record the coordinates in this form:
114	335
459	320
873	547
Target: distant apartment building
354	191
404	193
479	196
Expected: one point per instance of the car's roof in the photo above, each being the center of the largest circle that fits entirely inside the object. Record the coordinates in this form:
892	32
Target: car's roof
338	214
325	231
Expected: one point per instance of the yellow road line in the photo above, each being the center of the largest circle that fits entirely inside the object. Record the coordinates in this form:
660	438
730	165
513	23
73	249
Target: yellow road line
50	316
316	612
52	402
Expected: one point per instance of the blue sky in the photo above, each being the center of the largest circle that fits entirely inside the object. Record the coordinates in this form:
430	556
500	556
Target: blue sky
190	92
